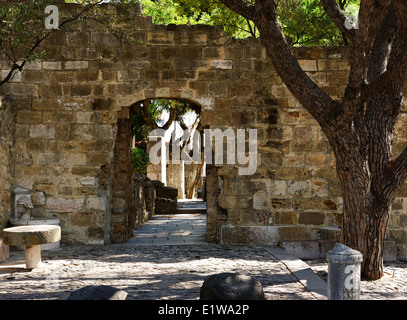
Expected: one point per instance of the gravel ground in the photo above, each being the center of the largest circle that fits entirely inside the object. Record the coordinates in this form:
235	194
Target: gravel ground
392	286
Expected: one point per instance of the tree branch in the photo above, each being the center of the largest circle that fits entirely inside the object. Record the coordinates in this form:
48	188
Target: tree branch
245	10
306	91
373	22
376	19
338	17
40	39
396	174
382	80
378	78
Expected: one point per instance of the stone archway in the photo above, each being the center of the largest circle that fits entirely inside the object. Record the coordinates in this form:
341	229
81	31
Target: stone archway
72	109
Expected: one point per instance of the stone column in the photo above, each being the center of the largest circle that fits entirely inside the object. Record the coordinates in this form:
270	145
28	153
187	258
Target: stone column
344	265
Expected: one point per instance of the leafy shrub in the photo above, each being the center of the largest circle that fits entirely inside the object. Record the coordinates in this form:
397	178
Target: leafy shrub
141	160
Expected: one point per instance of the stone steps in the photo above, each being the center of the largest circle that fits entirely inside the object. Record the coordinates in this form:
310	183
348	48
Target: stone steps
191	210
171	230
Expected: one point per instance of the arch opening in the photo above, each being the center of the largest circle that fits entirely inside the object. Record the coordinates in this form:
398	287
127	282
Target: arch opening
178	180
180	158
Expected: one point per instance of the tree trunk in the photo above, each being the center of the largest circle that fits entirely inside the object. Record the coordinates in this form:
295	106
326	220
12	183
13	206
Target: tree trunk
360	126
198	171
364	229
366	209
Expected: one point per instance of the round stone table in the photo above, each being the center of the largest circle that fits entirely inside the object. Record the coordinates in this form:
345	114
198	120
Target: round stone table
31	237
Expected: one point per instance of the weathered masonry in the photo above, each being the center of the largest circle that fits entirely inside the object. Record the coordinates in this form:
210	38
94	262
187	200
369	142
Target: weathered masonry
65	133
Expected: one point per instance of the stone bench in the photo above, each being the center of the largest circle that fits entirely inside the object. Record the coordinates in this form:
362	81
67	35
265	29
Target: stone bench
31	237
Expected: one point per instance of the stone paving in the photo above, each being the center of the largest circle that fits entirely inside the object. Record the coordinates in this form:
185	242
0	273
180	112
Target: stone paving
168	259
178	229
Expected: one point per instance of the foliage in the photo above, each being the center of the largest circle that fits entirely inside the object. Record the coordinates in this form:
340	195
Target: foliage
304	22
148	116
141	160
176	108
140	128
21	27
197	12
169	11
22	30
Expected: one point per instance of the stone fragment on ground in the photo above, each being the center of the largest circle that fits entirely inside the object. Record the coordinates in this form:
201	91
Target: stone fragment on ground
98	293
231	286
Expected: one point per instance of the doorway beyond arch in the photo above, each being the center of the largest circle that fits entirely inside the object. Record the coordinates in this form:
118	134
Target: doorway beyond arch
124	215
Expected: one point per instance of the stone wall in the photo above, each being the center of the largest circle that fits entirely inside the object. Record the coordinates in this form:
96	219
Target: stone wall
71	131
6	158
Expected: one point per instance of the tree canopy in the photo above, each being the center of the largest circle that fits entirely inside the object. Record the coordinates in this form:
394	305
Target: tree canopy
304	22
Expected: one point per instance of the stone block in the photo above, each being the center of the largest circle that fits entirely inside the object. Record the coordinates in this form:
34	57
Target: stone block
330	233
333	64
311	249
297	187
76	65
21	89
94	203
98	293
81	89
26	116
222	64
261	200
218	89
163	191
191	38
16	77
390	251
227	202
165	206
294	233
191	53
75	159
84	117
308	65
104	132
75	39
44	131
161	38
87	219
311	218
211	53
38	198
249	235
58	204
52	65
277	187
285	218
149	197
33	65
302	249
317	249
231	286
102	104
4	251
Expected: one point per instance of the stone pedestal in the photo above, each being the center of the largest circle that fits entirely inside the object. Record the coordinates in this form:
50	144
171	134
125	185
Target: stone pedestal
33	222
32	256
344	266
4	251
31	237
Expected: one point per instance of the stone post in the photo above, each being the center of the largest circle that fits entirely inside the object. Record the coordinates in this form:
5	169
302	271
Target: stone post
344	265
